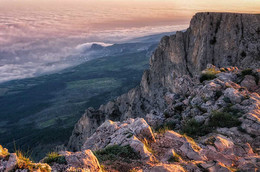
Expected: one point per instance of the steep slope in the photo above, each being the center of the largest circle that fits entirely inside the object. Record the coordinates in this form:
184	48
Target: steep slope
221	39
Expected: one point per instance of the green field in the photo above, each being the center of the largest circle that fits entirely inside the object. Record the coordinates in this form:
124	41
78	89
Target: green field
39	113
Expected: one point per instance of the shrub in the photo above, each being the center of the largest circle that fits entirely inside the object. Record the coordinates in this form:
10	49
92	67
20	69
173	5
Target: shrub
194	128
208	74
54	157
166	115
116	152
250	72
218	94
227	118
227	100
247	72
223	119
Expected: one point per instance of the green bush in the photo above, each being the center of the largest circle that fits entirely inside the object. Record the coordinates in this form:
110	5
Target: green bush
227	100
193	128
208	74
247	72
223	119
54	157
116	152
252	73
227	118
166	115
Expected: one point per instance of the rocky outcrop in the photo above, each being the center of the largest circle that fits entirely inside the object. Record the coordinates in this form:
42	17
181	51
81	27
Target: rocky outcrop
222	116
18	163
224	150
211	124
132	132
63	161
78	162
221	39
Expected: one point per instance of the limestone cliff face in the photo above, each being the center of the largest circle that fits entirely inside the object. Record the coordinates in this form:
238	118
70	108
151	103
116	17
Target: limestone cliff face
221	39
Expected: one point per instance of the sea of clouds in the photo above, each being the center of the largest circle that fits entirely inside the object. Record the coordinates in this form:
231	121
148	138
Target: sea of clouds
36	41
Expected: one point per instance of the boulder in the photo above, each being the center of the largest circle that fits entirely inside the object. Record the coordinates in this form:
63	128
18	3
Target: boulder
11	163
84	160
250	83
133	132
233	95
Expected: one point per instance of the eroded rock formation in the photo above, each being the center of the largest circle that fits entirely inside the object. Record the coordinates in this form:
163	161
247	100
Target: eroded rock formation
221	39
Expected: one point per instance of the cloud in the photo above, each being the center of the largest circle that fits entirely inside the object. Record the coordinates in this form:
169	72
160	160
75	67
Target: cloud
36	40
27	70
87	46
30	57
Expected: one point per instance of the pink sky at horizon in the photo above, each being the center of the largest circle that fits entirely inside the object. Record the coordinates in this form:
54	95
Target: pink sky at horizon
74	16
113	10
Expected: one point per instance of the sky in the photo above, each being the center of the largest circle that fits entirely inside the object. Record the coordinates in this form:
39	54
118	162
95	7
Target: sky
35	35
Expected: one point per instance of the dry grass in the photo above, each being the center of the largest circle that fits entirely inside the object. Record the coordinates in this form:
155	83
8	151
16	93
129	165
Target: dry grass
193	144
3	152
208	74
148	146
24	162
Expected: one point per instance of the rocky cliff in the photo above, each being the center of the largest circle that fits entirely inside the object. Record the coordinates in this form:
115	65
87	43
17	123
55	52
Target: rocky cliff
193	111
221	39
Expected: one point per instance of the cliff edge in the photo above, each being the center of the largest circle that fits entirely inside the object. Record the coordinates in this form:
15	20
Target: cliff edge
220	39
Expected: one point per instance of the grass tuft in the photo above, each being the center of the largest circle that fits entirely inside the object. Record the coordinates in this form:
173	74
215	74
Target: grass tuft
208	74
192	143
116	152
24	162
54	157
4	152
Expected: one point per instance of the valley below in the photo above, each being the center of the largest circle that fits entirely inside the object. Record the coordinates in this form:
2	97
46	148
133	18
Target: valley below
50	105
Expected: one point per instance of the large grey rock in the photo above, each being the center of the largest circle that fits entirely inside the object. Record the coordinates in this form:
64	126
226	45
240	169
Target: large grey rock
82	161
11	163
133	132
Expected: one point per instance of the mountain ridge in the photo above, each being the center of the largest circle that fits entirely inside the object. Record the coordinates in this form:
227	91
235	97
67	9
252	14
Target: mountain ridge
221	39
